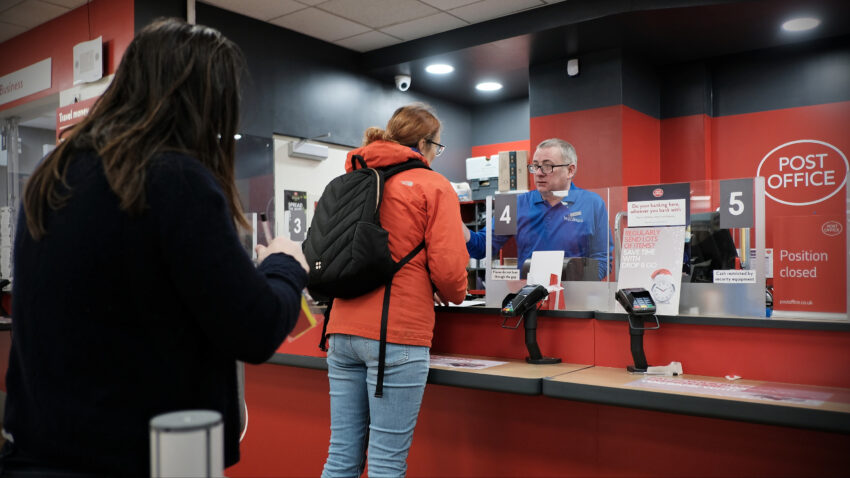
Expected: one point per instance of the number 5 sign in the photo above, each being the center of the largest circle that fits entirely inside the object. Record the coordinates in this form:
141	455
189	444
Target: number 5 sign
504	214
736	203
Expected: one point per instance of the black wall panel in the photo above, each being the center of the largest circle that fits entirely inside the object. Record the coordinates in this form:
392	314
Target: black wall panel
501	122
685	90
782	78
303	87
146	11
598	84
641	90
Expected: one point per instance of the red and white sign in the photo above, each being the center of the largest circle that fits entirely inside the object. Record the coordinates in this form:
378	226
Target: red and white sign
803	172
810	257
72	114
26	81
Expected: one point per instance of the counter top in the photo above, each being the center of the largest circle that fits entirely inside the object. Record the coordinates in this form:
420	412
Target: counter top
514	376
782	404
511	375
801	406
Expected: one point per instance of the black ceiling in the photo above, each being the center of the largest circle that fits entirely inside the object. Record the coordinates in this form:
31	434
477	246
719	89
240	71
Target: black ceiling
659	31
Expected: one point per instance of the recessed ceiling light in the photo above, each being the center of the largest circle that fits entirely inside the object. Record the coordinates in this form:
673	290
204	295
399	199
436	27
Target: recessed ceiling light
439	69
800	24
488	86
237	136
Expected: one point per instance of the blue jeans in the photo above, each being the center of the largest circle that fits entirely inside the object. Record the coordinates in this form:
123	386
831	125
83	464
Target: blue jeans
358	417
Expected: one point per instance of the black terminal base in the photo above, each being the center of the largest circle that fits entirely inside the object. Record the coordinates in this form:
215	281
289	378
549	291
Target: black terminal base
632	369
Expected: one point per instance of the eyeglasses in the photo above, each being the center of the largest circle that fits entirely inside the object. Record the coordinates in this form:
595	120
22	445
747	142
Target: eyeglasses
440	147
545	167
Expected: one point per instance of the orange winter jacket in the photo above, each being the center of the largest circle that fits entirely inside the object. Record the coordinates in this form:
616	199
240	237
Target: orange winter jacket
417	204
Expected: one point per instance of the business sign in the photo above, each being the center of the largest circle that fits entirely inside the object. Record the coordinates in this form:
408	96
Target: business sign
651	258
659	205
803	172
810	257
26	81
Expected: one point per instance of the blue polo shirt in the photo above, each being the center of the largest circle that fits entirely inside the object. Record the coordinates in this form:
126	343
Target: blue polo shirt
578	225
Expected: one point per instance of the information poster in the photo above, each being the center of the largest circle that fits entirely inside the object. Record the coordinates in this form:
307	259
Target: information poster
651	258
659	205
809	256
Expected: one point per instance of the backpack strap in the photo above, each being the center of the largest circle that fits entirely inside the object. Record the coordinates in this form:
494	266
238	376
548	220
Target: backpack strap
323	342
382	345
358	159
412	163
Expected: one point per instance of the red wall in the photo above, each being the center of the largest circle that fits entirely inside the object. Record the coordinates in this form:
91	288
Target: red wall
491	149
685	149
113	19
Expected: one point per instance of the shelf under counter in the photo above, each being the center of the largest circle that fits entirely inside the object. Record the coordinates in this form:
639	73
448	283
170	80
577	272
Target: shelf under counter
512	376
772	403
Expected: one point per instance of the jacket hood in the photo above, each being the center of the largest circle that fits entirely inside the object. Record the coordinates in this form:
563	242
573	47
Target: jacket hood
379	154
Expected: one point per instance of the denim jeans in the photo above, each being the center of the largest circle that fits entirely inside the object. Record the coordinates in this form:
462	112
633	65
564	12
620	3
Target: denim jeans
357	416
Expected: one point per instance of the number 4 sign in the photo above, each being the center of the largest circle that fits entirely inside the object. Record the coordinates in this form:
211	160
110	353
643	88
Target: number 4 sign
504	212
736	203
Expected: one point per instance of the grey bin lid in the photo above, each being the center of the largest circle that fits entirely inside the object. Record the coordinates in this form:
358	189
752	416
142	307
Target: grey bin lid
185	421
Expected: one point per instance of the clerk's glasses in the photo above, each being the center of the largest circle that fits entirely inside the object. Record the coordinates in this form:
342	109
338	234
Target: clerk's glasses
440	147
545	167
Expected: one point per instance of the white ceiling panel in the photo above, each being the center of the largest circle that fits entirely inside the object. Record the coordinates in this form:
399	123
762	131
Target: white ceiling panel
319	24
32	13
260	9
423	27
5	4
67	3
490	9
449	4
370	40
7	31
378	13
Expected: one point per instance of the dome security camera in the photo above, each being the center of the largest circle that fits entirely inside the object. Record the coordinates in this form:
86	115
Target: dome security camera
402	82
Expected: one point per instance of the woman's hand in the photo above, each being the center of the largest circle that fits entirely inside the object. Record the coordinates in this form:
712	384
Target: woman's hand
284	245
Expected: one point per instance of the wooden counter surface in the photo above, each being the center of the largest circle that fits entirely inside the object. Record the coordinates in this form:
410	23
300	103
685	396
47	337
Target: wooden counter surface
803	406
515	376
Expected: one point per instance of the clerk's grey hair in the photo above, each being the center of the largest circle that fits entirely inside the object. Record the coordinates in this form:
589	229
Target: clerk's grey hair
568	151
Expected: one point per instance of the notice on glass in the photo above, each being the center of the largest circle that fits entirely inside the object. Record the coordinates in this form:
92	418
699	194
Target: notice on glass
463	362
810	257
651	258
502	273
735	276
662	212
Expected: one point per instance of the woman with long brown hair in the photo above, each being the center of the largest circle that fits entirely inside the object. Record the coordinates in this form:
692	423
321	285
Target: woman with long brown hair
418	205
133	295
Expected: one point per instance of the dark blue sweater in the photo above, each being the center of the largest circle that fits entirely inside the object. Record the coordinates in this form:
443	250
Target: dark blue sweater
120	317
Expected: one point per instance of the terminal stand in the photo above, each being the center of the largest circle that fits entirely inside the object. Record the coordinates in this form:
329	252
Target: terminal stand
636	329
524	304
640	306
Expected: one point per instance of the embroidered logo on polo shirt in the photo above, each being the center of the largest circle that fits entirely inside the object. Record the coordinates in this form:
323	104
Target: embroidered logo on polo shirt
574	217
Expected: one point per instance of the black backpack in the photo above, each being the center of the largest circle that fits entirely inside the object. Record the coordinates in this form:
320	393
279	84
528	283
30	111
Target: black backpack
346	248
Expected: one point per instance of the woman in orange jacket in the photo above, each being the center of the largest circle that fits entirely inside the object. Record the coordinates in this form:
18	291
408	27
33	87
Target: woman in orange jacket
417	204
